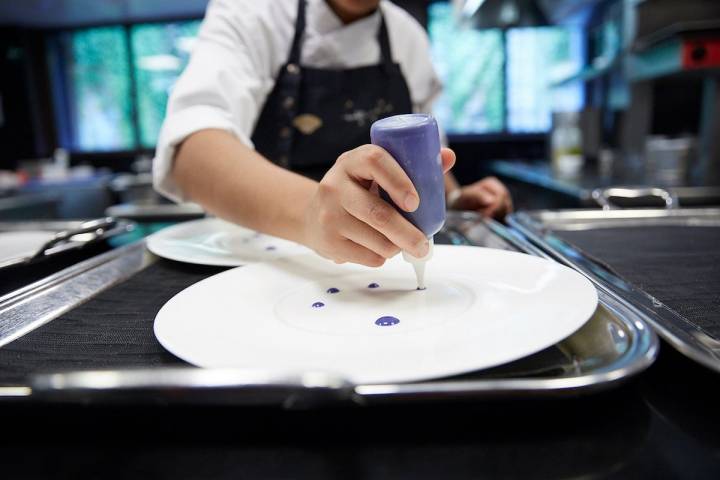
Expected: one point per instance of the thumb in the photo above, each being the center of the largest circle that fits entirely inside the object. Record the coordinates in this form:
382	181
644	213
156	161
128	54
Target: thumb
448	159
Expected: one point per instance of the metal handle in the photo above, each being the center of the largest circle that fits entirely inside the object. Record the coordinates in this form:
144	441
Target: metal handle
99	225
192	385
602	196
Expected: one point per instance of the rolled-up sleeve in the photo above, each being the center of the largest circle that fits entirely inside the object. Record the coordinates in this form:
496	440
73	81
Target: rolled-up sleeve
223	87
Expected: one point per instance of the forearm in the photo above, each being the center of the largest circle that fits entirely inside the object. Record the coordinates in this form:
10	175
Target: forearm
232	181
451	185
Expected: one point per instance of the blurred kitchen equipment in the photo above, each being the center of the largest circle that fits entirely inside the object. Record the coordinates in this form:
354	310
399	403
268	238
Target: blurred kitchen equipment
629	197
668	160
153	212
566	145
41	205
606	163
68	236
136	189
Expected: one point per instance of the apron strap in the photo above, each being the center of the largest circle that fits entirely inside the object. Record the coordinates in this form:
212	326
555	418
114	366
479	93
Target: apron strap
384	41
299	31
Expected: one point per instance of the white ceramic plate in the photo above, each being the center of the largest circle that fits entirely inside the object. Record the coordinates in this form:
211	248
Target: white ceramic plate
482	307
14	245
211	241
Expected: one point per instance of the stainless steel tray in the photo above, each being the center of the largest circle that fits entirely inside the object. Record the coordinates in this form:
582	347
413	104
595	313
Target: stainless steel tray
538	227
613	346
69	236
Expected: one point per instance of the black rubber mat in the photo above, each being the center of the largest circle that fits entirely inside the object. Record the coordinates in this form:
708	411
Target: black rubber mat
679	266
113	329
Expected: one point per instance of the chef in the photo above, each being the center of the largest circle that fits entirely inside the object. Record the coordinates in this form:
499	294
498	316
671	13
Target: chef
268	126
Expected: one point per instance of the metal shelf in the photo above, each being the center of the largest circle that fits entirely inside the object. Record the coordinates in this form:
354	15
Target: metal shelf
589	73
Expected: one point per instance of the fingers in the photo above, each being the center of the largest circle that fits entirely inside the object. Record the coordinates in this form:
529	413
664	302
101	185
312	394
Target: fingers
475	197
494	185
492	211
383	218
347	221
484	198
364	235
508	205
448	159
488	197
349	251
502	204
372	163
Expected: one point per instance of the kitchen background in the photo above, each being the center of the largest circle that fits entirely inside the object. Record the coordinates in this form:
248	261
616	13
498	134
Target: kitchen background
562	99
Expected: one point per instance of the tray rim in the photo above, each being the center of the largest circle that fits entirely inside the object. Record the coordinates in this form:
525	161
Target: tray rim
670	325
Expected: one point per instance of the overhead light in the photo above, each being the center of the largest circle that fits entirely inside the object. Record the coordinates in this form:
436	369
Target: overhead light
159	63
504	13
186	44
471	6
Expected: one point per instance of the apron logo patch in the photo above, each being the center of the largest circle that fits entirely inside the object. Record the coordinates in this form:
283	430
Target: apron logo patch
307	123
366	117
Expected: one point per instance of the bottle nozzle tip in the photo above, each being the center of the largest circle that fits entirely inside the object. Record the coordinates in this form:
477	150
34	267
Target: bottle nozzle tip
413	259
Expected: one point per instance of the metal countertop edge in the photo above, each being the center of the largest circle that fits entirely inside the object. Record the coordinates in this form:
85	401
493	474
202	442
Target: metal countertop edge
30	307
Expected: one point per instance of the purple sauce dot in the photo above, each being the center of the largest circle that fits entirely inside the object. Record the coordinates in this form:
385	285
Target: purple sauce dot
374	285
333	290
271	247
318	305
386	321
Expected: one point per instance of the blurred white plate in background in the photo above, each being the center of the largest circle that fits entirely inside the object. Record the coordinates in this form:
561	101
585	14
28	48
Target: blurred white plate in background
211	241
15	245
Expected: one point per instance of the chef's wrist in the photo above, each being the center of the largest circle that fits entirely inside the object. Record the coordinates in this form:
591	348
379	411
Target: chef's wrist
452	196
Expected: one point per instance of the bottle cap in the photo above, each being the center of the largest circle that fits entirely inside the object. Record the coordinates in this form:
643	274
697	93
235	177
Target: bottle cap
409	258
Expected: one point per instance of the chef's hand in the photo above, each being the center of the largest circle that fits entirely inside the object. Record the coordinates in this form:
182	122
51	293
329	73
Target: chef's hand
347	221
488	197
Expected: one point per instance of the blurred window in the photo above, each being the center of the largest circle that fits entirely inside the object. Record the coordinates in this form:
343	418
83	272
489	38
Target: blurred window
501	81
99	92
105	110
161	52
537	57
470	64
494	81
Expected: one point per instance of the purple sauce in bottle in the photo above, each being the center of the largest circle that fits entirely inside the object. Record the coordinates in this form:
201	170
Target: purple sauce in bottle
414	142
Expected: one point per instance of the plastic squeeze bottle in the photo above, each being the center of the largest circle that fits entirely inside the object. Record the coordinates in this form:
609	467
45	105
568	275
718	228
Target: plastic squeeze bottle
414	142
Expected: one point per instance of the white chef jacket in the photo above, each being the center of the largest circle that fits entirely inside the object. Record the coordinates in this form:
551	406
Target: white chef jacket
241	46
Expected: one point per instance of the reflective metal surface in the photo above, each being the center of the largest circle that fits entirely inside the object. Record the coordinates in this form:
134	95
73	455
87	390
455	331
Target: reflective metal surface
193	385
608	349
156	212
613	346
547	220
70	235
604	196
538	227
30	307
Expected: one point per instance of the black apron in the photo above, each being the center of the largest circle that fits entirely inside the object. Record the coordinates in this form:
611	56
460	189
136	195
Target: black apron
313	115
